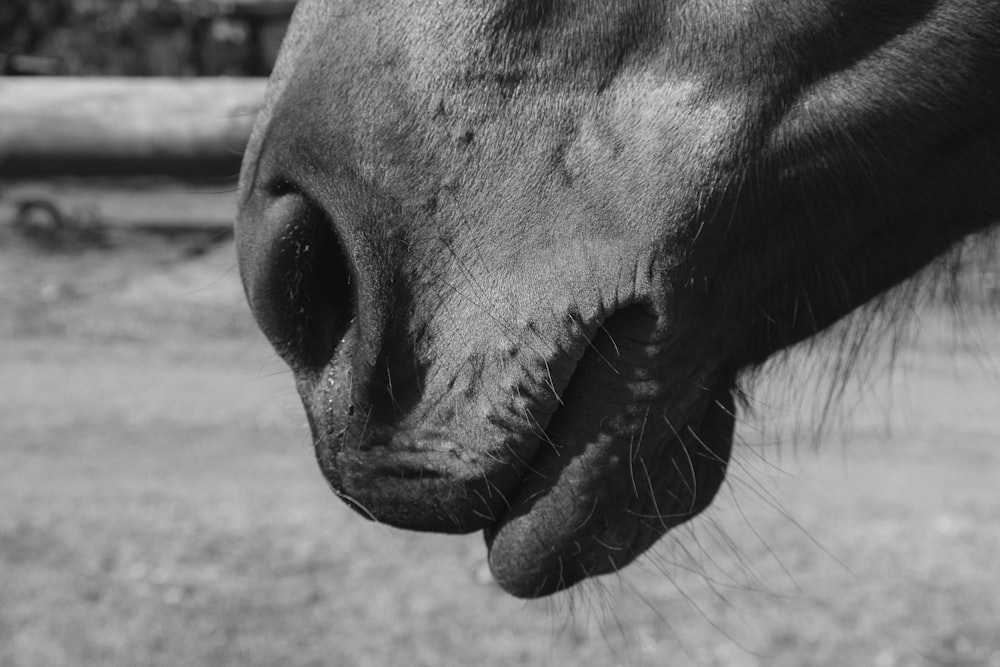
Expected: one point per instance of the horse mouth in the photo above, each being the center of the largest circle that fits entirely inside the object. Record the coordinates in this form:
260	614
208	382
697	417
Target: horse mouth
594	507
604	481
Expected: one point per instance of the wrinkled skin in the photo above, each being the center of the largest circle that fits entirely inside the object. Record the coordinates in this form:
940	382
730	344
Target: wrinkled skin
518	253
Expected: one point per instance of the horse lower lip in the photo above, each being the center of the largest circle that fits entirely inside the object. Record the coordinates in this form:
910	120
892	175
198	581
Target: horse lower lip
570	522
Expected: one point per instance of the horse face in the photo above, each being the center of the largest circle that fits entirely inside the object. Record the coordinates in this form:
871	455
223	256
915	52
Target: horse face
517	253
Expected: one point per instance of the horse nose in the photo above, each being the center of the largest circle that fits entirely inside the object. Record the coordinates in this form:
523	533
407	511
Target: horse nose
298	279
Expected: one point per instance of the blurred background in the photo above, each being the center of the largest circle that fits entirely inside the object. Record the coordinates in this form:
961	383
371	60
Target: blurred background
159	503
141	37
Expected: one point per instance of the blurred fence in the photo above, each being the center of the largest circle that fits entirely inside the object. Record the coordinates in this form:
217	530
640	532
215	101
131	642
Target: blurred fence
188	129
148	152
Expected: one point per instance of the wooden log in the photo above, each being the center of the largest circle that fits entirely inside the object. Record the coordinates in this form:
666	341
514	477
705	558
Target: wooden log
189	129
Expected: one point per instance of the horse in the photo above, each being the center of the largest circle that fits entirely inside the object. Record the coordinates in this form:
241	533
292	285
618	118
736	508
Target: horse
519	253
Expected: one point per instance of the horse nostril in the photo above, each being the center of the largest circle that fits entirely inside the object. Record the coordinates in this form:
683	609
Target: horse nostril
298	278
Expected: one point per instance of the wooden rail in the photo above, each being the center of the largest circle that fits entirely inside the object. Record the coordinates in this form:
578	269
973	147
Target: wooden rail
188	129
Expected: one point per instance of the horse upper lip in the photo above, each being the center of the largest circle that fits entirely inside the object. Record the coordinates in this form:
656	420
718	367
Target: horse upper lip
426	486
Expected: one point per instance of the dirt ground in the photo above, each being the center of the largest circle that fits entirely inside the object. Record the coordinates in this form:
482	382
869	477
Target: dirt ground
159	504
